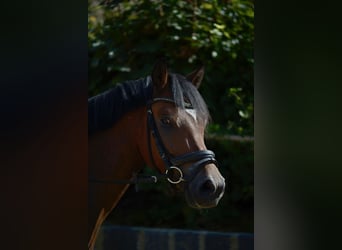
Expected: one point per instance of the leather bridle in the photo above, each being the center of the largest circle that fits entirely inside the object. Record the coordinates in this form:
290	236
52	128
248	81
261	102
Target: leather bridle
173	164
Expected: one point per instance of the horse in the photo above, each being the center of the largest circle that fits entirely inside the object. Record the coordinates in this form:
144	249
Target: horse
158	121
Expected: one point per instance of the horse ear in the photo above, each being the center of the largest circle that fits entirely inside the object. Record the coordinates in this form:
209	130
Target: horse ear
160	75
196	76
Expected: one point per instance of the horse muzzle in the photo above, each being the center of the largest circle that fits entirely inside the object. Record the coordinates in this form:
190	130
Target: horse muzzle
206	188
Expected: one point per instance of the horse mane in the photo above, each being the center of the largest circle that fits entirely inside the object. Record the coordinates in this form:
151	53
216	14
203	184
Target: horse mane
105	109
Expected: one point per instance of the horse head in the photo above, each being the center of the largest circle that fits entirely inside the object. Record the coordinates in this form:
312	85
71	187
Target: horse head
176	120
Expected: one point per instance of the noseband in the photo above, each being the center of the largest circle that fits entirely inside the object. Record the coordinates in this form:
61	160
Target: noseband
174	164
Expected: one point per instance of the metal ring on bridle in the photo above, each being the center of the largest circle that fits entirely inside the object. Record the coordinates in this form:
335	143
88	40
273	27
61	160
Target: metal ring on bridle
180	175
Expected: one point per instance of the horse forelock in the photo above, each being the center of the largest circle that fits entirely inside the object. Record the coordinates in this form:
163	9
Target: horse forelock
185	93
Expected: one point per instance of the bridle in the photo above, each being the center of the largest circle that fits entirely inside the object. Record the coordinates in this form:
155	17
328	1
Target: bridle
173	164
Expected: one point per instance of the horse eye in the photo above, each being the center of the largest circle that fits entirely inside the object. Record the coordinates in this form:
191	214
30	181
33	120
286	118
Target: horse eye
166	121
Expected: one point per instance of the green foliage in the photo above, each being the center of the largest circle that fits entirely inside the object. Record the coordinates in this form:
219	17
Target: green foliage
126	37
125	40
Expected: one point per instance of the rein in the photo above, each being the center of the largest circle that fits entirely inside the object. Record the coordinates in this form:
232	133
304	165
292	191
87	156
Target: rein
173	164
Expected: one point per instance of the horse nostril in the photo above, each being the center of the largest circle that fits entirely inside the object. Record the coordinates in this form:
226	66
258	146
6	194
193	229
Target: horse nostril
207	187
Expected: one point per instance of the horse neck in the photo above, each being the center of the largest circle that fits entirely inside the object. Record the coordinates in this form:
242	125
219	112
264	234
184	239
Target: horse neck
113	154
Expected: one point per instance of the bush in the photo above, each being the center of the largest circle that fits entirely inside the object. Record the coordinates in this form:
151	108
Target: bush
126	39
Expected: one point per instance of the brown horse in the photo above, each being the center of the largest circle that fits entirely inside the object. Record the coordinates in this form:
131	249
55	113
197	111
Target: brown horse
158	121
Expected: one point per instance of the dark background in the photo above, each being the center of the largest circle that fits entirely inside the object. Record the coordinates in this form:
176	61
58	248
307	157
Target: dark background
297	126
